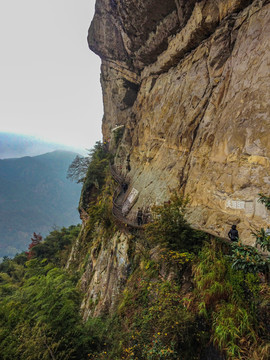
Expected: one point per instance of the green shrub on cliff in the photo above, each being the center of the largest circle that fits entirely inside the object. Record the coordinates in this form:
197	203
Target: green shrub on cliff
230	300
264	200
152	321
77	170
182	298
248	259
94	180
40	308
38	317
57	245
223	310
263	237
169	227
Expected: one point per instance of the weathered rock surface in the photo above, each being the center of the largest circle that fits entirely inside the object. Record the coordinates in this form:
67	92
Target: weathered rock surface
190	82
106	272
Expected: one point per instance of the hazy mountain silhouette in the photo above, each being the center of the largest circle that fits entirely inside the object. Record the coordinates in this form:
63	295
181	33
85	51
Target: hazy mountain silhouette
35	196
15	145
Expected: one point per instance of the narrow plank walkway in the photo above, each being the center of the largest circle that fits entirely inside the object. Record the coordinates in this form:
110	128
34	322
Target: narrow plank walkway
118	201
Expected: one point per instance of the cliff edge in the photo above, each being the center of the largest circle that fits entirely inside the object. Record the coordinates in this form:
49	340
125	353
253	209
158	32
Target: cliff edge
189	80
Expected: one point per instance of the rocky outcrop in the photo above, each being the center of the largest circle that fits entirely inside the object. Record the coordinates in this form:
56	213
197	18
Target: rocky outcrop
105	275
190	82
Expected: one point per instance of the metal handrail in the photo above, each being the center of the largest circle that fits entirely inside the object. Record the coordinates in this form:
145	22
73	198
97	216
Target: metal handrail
117	208
114	174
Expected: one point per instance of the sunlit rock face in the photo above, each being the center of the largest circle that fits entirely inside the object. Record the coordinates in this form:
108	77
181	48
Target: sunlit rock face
190	82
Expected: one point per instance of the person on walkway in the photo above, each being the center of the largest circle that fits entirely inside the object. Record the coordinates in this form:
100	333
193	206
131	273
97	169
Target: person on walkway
139	217
146	215
233	234
128	167
124	187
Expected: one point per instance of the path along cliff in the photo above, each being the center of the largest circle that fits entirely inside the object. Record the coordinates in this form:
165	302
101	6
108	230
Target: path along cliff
186	108
119	199
189	80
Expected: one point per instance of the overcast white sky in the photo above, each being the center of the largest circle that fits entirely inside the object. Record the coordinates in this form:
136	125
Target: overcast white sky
49	79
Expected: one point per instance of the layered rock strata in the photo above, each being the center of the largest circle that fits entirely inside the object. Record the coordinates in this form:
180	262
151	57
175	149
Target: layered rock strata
190	82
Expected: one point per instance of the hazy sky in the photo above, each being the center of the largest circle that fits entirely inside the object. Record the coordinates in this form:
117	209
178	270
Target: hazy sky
49	79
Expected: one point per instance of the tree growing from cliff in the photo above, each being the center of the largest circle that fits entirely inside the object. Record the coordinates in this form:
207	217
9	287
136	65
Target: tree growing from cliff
56	246
96	173
78	170
36	239
170	228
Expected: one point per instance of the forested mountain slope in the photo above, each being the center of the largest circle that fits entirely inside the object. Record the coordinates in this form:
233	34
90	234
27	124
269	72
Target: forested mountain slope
185	126
35	196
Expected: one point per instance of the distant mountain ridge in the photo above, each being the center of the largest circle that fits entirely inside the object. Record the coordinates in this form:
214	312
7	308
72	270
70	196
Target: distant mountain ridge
35	196
16	146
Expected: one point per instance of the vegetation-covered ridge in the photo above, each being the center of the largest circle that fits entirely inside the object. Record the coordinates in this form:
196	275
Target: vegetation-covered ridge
35	196
183	296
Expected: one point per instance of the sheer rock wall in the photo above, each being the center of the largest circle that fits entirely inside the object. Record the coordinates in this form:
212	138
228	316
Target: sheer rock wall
190	82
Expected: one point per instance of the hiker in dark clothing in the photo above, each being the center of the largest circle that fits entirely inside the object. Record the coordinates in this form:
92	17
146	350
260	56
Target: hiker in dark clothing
139	217
233	233
124	187
128	164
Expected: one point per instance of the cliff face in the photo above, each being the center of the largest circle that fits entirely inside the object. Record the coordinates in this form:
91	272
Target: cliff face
190	82
105	275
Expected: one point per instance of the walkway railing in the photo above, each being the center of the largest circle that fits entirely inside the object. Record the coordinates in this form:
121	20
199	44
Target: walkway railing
115	175
118	204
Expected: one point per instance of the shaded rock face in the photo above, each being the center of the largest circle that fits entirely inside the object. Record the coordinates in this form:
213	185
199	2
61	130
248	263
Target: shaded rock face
190	82
124	30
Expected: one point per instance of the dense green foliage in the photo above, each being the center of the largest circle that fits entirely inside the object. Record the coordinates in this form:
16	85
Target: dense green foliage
99	159
230	302
35	196
164	319
248	259
170	228
212	303
96	205
40	305
152	321
184	298
57	244
263	236
265	200
40	320
90	168
262	239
